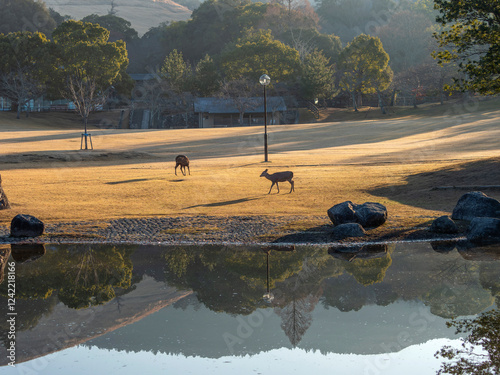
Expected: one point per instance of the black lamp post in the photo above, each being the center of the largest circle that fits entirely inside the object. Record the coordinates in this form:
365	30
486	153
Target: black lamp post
264	81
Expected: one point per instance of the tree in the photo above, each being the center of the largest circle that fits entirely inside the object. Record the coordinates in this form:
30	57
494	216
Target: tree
317	76
364	67
260	53
307	40
87	65
118	27
472	39
480	350
24	65
25	15
176	71
242	93
207	80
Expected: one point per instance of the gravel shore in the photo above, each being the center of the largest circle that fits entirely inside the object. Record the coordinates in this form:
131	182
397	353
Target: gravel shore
208	229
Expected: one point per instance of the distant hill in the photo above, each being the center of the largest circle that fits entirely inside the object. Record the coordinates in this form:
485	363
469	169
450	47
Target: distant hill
142	14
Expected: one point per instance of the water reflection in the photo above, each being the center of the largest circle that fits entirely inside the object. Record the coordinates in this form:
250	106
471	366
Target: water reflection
333	300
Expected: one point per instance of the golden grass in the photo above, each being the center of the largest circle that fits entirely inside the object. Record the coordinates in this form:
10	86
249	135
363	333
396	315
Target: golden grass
130	173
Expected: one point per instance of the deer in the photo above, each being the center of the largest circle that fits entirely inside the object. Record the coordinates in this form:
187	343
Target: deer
279	177
183	162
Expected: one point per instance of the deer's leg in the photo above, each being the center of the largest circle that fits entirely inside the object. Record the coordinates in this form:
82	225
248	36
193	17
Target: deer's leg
189	170
278	186
292	188
176	169
271	188
183	169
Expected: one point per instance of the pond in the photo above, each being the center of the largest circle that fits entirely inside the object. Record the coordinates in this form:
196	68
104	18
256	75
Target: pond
123	309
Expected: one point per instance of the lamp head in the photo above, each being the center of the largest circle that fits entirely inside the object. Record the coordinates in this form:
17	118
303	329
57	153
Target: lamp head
264	80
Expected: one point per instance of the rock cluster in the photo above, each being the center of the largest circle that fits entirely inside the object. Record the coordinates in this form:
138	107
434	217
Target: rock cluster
351	220
481	211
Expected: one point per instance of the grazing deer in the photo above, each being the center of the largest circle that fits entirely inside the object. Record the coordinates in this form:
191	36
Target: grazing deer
279	177
183	162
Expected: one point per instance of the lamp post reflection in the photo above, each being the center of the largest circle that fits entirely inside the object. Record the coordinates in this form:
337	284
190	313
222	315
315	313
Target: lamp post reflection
268	296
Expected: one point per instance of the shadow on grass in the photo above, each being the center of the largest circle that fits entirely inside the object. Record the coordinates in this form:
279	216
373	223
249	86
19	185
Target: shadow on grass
127	181
315	235
441	189
224	203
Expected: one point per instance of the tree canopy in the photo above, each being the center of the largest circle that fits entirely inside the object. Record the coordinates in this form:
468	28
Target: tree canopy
25	63
118	27
87	65
259	53
317	79
365	67
471	39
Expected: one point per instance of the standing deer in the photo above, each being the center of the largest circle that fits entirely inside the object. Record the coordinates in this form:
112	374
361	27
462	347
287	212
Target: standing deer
183	162
279	177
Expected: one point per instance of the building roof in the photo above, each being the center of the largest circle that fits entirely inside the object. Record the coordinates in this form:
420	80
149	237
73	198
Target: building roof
251	105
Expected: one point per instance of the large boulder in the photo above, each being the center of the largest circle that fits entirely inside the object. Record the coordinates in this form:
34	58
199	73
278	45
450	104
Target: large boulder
368	214
444	225
476	204
4	202
484	230
342	213
26	226
348	230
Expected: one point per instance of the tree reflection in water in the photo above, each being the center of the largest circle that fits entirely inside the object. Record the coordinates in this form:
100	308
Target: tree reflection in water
480	351
80	275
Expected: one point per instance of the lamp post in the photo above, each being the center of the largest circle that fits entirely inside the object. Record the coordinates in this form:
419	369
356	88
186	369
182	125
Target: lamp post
264	81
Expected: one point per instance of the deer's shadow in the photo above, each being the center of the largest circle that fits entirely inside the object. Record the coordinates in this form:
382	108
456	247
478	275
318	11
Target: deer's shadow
224	203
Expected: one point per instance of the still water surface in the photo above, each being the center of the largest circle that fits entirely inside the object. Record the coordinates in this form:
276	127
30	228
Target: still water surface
108	309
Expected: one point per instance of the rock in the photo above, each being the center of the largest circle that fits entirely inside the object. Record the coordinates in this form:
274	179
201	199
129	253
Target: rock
26	226
476	204
4	202
371	214
342	213
348	230
368	214
484	230
444	224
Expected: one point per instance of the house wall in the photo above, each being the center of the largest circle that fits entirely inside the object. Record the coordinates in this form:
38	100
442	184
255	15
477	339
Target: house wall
206	120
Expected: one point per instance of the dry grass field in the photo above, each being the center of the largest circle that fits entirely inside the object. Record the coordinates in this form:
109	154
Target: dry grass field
398	159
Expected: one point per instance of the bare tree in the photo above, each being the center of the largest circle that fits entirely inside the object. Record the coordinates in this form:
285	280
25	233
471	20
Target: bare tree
86	98
242	92
20	87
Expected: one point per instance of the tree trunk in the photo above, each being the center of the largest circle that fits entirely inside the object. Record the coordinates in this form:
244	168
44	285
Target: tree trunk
381	103
85	118
354	104
393	97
